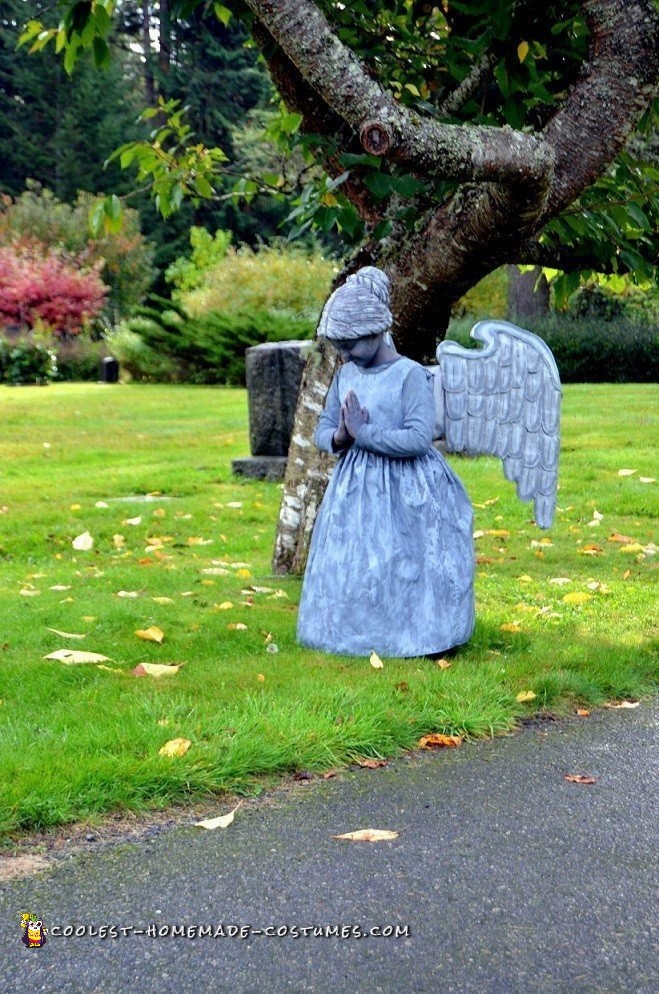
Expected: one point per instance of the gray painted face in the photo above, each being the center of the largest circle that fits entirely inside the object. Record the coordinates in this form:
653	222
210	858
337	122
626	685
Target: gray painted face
361	351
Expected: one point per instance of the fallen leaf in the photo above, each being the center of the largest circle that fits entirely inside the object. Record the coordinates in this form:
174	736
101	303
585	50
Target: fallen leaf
525	695
216	571
222	822
154	669
175	747
478	534
163	600
101	503
75	507
443	664
128	593
577	597
195	540
511	626
375	661
626	472
560	580
329	775
370	764
224	606
243	573
110	669
260	677
235	503
237	625
29	592
634	547
583	712
624	539
368	835
152	634
579	778
66	635
626	574
133	521
73	657
622	704
525	579
60	586
83	543
601	588
591	550
647	479
119	541
497	532
437	741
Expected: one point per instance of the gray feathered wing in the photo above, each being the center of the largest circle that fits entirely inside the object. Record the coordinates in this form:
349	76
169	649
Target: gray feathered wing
504	400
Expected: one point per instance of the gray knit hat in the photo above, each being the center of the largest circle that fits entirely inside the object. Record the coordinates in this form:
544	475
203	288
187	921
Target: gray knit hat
360	307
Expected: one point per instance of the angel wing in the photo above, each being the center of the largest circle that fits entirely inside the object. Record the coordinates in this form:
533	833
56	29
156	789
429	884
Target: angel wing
504	400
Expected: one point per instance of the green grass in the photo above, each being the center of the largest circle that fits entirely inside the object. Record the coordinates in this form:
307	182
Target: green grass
78	741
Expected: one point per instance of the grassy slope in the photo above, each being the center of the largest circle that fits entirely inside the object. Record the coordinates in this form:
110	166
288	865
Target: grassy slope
76	741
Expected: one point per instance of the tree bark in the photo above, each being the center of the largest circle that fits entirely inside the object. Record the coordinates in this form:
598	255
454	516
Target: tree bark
528	295
149	82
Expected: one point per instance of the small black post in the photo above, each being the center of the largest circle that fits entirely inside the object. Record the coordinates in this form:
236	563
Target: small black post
109	370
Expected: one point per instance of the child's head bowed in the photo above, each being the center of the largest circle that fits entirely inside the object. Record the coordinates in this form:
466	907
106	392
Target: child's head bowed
358	308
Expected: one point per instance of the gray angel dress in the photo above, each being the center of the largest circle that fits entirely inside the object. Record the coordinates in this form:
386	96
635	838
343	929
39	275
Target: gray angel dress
391	559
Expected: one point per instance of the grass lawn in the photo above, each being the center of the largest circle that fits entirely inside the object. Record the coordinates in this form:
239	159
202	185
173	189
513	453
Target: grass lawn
79	740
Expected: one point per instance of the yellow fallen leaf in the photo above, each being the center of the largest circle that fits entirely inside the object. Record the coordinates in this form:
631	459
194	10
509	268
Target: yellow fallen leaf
560	580
375	661
497	532
623	539
626	472
29	592
370	764
238	625
83	543
73	657
163	600
224	606
175	747
235	503
216	571
66	635
443	664
152	634
239	565
601	588
525	578
583	712
622	704
511	626
101	504
647	479
260	677
159	512
222	822
195	540
154	669
244	573
60	586
577	597
133	521
75	507
89	618
634	547
119	541
525	695
591	550
128	593
110	669
438	741
368	835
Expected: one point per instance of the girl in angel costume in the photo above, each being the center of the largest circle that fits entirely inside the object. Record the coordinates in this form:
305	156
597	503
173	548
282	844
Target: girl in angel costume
391	559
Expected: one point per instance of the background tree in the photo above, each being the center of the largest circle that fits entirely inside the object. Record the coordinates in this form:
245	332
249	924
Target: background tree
455	139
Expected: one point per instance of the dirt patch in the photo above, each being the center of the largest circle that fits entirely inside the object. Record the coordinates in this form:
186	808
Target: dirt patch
15	867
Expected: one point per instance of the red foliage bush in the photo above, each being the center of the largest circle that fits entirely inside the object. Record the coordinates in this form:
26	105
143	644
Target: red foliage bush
41	286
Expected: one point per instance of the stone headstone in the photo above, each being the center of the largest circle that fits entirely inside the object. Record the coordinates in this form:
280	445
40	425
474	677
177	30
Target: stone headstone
109	370
273	372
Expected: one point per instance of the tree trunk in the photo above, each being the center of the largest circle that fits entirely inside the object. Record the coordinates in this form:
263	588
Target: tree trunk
308	469
528	295
149	83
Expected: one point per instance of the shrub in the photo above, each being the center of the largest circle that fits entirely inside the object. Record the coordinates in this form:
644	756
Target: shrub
25	362
137	360
187	274
124	260
42	287
489	298
211	349
277	278
590	351
79	359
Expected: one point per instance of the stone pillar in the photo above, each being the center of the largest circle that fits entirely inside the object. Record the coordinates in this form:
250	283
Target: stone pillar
273	372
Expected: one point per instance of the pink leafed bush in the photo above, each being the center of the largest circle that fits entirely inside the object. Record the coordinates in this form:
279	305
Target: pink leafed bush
41	287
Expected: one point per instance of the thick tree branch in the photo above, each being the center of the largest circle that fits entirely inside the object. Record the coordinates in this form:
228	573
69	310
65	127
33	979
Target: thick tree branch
469	84
617	84
317	118
568	258
448	151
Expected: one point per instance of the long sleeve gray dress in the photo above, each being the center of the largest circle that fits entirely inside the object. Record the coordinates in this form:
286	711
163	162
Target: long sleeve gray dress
391	559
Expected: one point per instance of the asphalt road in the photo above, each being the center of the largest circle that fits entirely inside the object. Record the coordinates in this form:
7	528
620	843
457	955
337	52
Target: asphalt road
510	879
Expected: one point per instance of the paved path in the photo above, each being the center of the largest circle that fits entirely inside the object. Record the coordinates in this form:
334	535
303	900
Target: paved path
510	879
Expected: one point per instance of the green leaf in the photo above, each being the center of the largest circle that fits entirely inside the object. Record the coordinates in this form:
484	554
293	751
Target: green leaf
379	184
101	53
407	185
349	159
639	216
95	217
222	13
382	230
